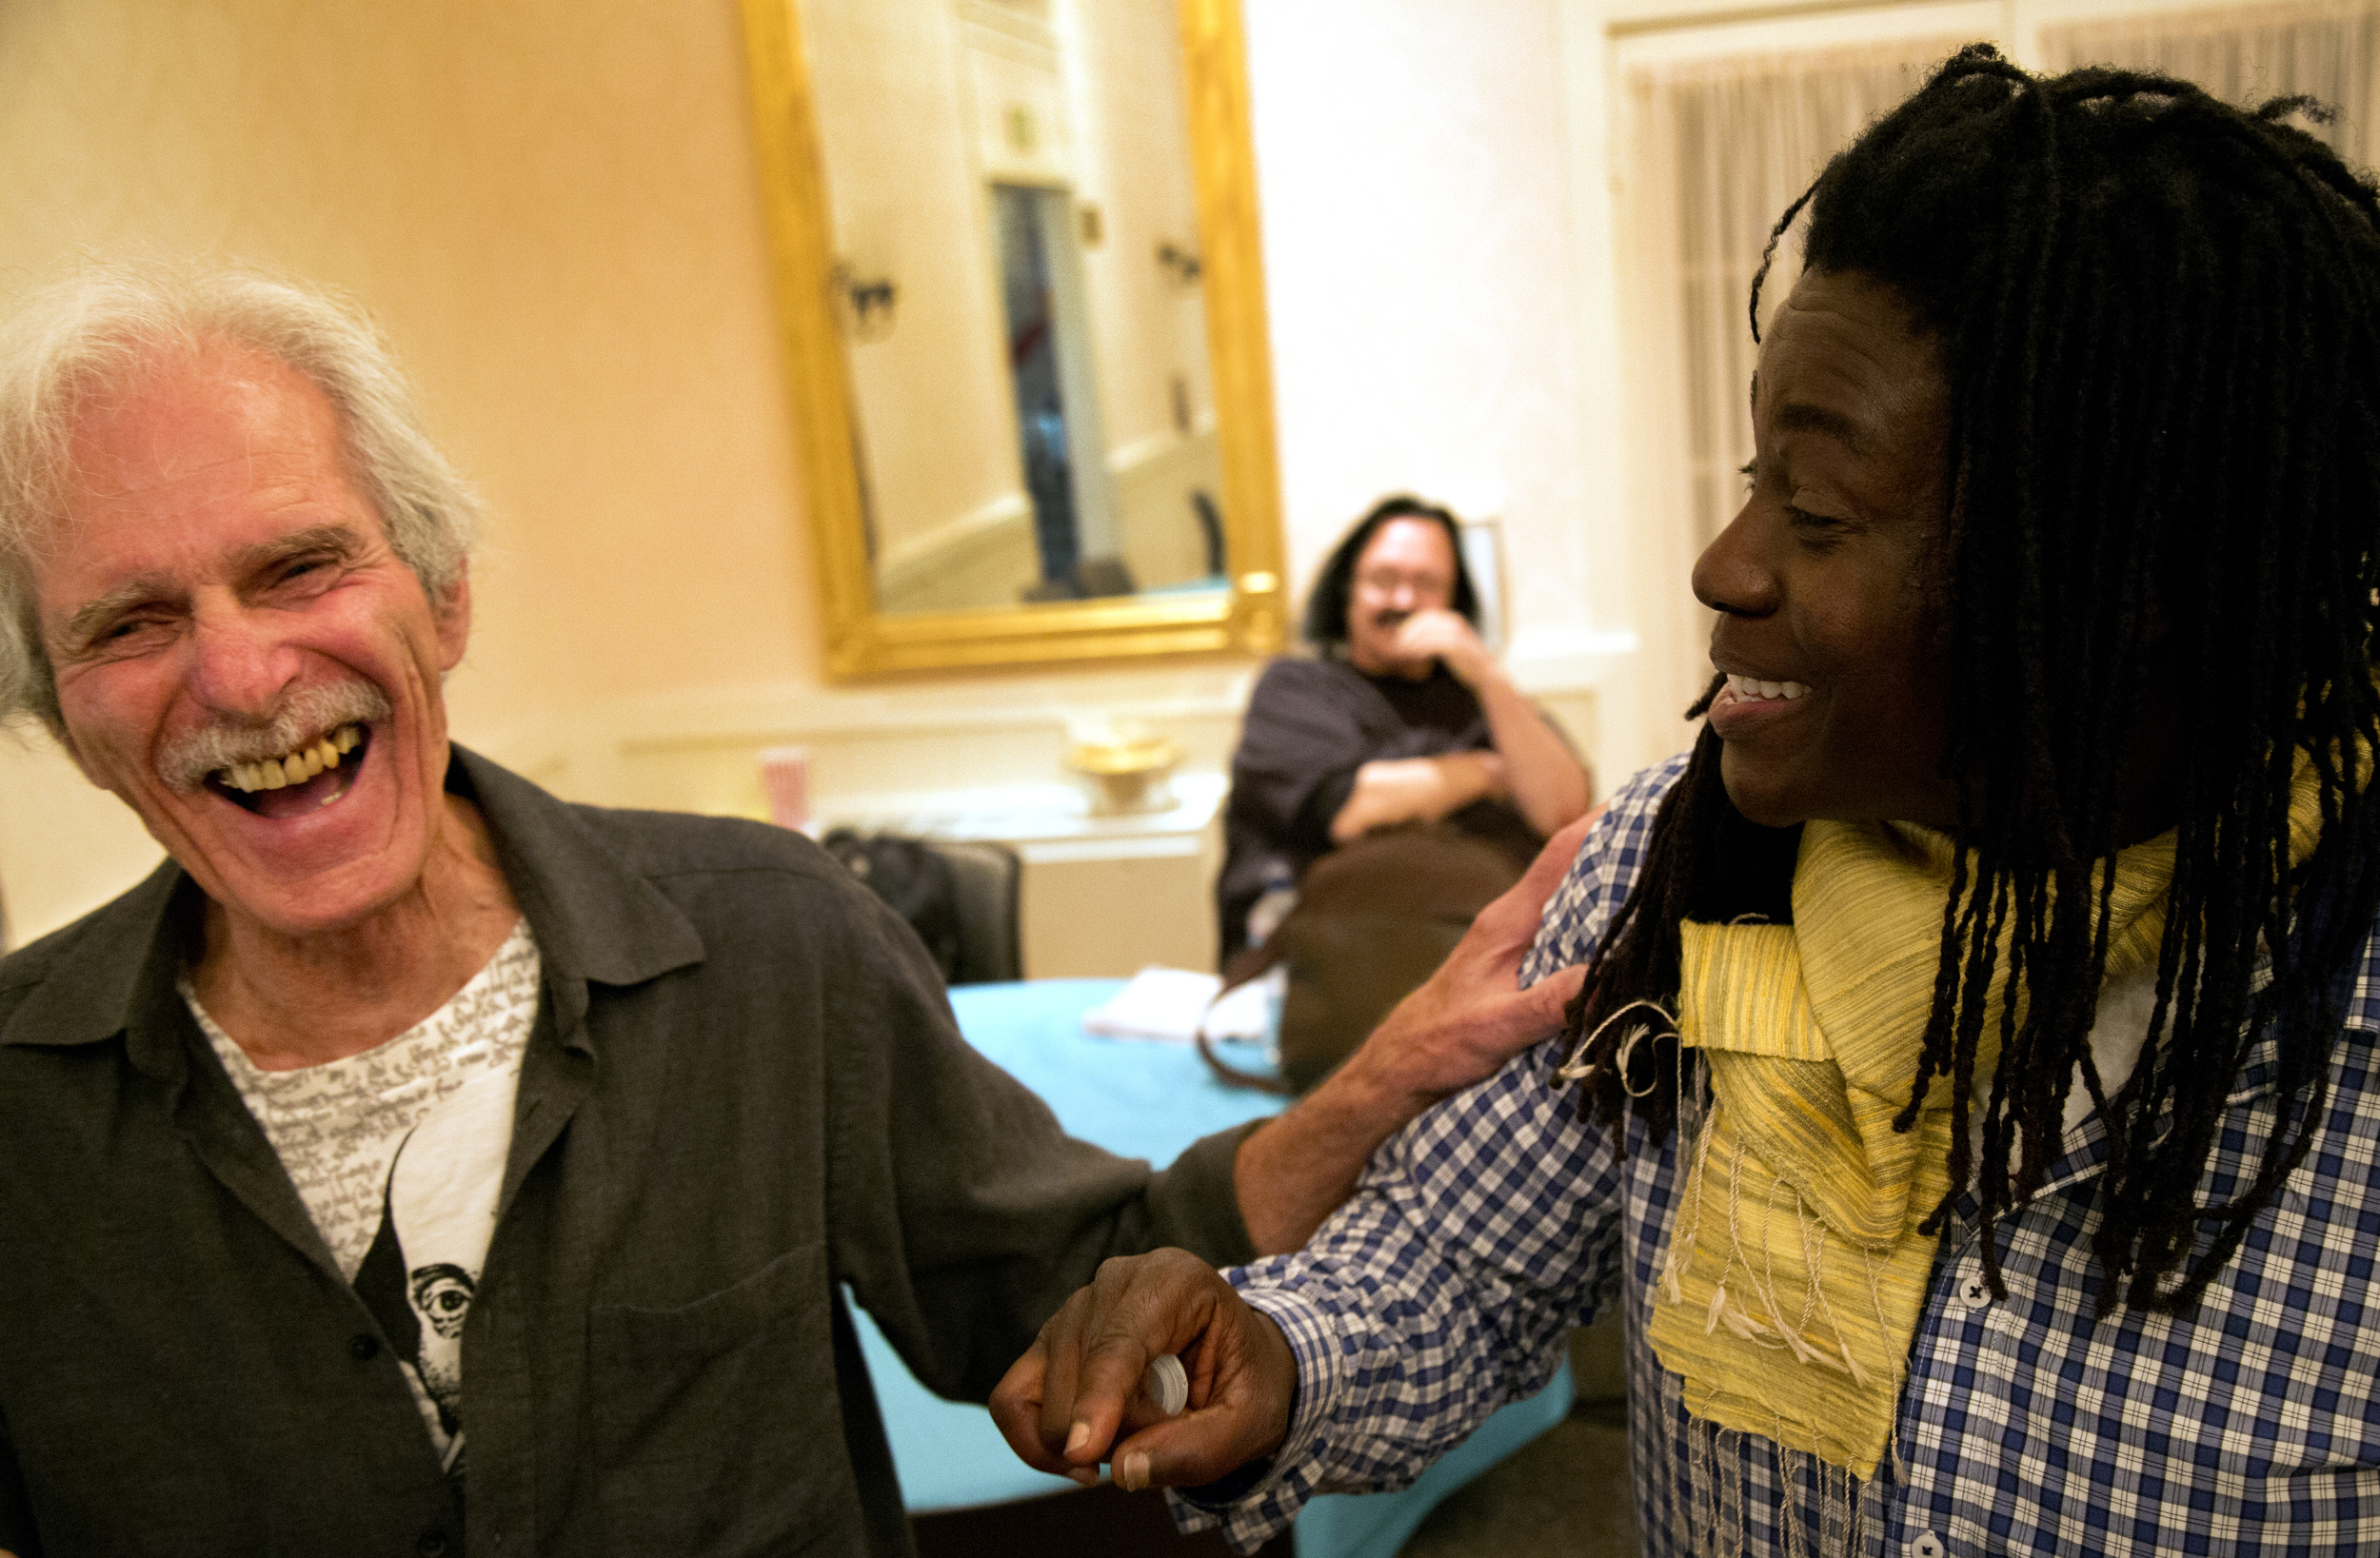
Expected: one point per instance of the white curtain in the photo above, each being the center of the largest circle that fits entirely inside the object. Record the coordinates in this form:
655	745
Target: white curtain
2246	54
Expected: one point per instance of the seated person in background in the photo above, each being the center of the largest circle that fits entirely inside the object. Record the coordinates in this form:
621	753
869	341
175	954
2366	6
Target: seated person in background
1975	1101
406	1106
1403	717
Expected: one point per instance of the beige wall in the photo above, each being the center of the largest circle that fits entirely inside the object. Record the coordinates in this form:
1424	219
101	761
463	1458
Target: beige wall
1437	227
551	207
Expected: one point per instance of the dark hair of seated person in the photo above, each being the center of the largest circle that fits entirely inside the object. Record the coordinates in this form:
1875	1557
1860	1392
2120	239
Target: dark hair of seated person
1327	607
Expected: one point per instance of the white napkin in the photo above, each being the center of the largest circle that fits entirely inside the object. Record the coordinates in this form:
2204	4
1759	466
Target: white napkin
1166	1005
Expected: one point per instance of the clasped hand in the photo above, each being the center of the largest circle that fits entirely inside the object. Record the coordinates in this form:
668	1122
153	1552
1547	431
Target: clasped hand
1448	637
1075	1399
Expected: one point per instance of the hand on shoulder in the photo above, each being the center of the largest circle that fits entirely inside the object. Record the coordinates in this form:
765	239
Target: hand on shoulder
1469	1017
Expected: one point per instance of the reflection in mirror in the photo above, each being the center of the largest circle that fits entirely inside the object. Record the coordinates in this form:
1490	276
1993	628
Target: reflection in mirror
1014	224
1022	298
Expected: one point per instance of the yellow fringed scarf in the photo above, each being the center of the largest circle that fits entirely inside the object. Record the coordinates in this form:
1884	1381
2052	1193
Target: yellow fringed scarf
1789	1294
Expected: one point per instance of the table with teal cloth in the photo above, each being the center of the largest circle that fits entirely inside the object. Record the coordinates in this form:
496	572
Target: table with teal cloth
1150	1100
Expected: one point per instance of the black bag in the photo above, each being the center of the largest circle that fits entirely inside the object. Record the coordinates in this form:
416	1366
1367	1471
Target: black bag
915	880
1373	918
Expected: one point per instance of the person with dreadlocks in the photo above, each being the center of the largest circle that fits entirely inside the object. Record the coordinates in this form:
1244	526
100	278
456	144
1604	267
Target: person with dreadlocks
1974	1095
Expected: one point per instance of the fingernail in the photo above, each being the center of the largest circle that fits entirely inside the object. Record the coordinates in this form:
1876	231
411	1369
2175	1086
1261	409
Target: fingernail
1087	1475
1132	1473
1081	1436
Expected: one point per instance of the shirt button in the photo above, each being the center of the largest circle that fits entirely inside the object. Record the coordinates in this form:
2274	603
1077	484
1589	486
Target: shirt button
1928	1546
1976	1294
363	1348
431	1544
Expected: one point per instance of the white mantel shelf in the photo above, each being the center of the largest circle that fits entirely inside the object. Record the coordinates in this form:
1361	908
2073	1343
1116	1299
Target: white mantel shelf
1046	823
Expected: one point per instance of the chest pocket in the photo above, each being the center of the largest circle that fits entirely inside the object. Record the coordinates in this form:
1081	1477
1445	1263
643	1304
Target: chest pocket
716	1428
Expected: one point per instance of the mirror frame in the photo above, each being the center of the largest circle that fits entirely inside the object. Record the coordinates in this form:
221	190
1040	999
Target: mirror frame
1250	614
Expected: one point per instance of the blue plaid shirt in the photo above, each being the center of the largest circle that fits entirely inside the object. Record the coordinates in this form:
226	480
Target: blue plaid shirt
1498	1222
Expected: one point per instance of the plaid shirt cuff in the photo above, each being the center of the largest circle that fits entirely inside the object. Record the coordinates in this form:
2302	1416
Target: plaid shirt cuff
1253	1512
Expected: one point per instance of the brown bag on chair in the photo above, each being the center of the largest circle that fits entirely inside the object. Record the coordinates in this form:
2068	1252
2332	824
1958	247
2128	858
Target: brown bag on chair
1373	918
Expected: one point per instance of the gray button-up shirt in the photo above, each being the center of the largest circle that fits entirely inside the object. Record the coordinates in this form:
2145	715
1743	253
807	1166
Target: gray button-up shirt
744	1091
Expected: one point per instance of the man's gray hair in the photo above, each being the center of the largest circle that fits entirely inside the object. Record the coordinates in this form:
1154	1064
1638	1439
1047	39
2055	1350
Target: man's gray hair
92	335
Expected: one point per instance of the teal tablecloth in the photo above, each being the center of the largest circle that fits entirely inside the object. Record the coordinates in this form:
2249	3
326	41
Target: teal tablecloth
1148	1100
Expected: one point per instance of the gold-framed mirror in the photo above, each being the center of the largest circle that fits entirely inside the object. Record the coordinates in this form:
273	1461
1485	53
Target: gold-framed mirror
1021	305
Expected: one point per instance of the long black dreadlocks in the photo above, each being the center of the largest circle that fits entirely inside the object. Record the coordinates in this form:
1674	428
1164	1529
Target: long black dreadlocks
2159	316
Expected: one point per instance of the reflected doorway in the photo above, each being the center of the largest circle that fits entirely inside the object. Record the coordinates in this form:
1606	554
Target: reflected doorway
1053	377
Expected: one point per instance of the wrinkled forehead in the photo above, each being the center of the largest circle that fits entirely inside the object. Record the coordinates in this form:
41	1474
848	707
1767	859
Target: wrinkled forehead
1846	356
167	382
189	420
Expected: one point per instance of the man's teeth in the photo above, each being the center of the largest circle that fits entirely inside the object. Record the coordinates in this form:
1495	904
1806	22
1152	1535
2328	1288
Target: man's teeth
296	768
1748	687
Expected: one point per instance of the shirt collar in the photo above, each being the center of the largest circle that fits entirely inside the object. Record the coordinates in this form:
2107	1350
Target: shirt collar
2363	1005
595	917
112	972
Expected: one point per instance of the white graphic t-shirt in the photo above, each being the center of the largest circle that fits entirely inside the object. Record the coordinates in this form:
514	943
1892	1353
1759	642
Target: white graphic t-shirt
399	1155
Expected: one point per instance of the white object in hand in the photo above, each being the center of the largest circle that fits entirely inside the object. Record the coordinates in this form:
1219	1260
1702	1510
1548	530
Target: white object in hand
1167	1384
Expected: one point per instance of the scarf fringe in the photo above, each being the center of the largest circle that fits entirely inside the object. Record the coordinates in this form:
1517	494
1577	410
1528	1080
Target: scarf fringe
1694	1120
1819	1512
1712	1497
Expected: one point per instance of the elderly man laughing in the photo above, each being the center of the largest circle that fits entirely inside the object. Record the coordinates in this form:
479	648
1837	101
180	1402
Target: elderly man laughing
409	1129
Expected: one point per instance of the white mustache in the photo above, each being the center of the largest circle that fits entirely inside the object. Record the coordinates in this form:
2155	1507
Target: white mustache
308	713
